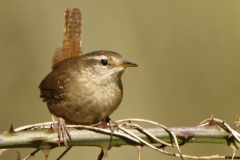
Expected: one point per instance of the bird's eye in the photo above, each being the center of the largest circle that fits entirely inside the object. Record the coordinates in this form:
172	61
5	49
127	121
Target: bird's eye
104	62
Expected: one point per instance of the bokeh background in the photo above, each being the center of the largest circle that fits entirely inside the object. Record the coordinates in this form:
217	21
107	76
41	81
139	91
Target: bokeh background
187	52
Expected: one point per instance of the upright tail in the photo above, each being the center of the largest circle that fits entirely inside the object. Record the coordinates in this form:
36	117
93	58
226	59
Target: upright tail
71	45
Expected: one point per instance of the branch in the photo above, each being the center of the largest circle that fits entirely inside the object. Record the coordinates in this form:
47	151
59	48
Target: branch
42	136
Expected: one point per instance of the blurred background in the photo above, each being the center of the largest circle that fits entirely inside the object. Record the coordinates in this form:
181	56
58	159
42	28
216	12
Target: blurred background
187	52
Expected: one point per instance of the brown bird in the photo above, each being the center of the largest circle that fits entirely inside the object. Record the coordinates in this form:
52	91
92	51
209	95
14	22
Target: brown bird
85	89
82	89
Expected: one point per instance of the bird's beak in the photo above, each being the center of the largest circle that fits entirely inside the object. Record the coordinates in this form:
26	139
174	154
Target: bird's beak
128	64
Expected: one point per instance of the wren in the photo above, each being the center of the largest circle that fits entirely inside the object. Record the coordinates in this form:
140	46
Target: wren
85	89
82	89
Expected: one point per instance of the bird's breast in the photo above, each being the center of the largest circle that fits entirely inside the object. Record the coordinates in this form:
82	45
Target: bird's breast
88	101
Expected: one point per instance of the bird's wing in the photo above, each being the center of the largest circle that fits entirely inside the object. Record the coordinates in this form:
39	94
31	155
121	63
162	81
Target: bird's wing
52	86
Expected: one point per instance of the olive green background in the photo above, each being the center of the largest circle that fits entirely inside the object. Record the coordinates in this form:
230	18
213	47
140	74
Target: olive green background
188	54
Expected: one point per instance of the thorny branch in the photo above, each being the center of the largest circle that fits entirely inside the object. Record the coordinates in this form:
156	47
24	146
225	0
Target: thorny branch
43	136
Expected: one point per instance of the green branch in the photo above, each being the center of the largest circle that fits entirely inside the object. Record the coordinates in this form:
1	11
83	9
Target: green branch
43	138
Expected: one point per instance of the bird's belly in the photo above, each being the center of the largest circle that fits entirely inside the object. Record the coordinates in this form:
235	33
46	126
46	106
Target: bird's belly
88	108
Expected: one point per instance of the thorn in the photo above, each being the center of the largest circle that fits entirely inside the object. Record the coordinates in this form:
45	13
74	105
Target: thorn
101	154
51	129
139	148
58	142
234	149
11	130
105	150
212	117
46	153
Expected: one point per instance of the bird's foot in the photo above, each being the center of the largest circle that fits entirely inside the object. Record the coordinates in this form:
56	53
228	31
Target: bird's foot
104	124
63	131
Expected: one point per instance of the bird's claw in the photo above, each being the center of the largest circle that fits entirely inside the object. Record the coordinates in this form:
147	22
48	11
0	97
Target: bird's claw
63	131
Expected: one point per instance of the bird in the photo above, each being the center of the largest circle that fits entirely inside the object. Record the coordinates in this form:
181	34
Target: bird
82	88
85	89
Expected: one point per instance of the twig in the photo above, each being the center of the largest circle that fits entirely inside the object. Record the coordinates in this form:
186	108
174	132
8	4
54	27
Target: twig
68	148
31	154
